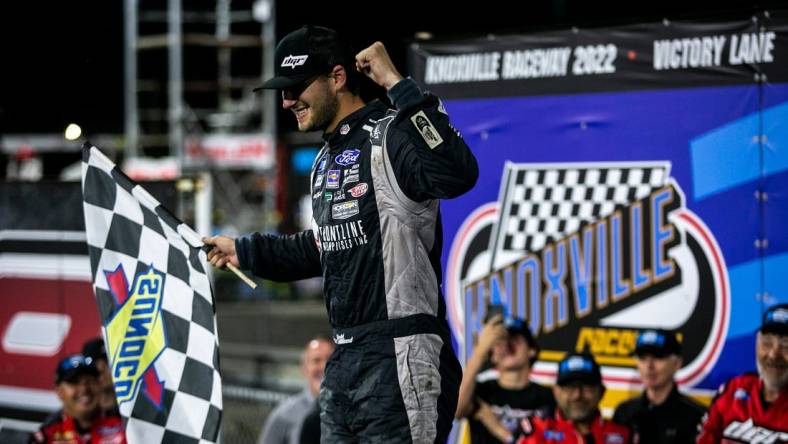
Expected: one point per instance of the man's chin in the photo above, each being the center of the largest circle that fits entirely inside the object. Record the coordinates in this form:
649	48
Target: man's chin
775	381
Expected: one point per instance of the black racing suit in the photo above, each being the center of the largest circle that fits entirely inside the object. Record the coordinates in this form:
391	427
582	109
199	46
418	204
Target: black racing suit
376	241
675	421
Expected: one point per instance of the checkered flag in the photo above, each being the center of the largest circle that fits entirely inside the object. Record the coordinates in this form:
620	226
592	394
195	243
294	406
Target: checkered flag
156	308
540	202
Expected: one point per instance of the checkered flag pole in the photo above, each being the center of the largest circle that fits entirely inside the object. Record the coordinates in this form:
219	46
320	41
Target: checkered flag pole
544	202
156	307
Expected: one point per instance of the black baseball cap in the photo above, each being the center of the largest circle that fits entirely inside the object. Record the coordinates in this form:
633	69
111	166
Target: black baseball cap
659	343
298	57
518	326
94	349
775	320
70	368
579	367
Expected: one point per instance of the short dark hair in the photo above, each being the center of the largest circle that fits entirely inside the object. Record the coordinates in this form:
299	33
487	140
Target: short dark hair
331	46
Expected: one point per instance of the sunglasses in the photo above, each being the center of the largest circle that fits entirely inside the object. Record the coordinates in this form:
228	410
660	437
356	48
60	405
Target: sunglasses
295	91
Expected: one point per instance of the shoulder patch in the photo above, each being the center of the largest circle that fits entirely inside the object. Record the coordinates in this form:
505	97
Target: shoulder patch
426	129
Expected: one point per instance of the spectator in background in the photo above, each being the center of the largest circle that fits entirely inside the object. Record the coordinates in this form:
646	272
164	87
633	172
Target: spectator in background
496	400
94	349
661	414
310	429
577	420
284	423
81	421
753	408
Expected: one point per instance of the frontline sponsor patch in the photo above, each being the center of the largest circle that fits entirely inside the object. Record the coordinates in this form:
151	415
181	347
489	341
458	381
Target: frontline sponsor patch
318	180
426	129
332	179
344	210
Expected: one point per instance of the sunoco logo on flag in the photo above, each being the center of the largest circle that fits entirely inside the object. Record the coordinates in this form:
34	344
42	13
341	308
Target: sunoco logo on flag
156	306
135	335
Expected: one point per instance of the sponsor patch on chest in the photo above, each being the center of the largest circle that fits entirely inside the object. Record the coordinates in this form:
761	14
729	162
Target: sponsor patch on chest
359	190
321	166
344	210
348	157
332	179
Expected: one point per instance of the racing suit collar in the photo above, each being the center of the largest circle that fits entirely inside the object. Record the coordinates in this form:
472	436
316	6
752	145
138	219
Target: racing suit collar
352	121
673	396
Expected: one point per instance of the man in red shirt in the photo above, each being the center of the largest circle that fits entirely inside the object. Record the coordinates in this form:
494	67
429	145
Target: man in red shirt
577	420
753	408
81	421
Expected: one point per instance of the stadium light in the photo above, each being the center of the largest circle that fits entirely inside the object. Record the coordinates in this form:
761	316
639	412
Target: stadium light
73	131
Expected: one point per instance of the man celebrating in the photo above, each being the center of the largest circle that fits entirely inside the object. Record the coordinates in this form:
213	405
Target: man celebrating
507	391
578	391
283	425
376	239
661	414
753	408
81	421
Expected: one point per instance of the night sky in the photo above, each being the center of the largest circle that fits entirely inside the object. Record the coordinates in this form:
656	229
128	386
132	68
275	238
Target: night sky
63	61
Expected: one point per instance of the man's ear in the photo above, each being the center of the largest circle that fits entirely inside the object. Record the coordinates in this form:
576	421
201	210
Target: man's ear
339	75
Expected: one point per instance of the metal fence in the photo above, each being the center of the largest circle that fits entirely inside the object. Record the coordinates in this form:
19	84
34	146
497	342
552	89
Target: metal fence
245	411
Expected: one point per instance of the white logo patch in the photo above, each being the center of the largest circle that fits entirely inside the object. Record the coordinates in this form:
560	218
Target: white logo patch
344	210
426	129
293	61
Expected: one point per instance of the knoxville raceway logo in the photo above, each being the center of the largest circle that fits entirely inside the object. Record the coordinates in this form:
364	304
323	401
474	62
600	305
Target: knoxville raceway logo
591	254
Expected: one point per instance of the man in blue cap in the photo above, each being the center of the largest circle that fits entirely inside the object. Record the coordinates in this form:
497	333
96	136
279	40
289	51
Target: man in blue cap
661	415
81	420
577	420
753	407
495	400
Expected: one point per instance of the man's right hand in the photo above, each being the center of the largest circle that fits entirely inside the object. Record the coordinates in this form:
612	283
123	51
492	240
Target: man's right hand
223	251
493	331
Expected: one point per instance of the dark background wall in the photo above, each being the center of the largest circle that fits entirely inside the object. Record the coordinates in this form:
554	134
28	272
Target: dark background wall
63	61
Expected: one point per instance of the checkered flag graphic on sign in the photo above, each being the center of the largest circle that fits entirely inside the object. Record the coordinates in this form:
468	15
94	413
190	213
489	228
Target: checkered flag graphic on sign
540	202
179	397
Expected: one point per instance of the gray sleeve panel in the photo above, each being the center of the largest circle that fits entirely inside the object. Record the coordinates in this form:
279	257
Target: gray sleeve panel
407	230
418	370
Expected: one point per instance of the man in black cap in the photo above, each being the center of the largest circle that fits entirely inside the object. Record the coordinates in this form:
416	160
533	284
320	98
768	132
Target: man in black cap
494	401
376	238
661	414
81	420
753	408
94	349
578	391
